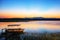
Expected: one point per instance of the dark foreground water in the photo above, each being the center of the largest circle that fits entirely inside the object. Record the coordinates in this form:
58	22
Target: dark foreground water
33	36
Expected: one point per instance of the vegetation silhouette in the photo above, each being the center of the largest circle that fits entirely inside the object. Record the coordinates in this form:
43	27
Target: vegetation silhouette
28	19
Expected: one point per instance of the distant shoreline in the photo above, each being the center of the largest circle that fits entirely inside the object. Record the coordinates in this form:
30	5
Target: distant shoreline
27	19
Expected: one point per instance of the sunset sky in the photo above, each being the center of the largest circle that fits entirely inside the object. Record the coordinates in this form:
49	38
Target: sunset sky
29	8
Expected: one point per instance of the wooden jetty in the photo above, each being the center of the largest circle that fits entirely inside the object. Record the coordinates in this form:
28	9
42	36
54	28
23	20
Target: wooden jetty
13	33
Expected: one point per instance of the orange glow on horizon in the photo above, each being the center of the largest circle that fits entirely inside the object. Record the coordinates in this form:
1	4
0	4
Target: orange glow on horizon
22	15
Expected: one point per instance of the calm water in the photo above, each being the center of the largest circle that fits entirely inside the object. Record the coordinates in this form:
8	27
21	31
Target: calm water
34	26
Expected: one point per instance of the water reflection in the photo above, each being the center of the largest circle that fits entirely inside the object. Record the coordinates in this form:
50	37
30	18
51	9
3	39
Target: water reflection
33	25
33	29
